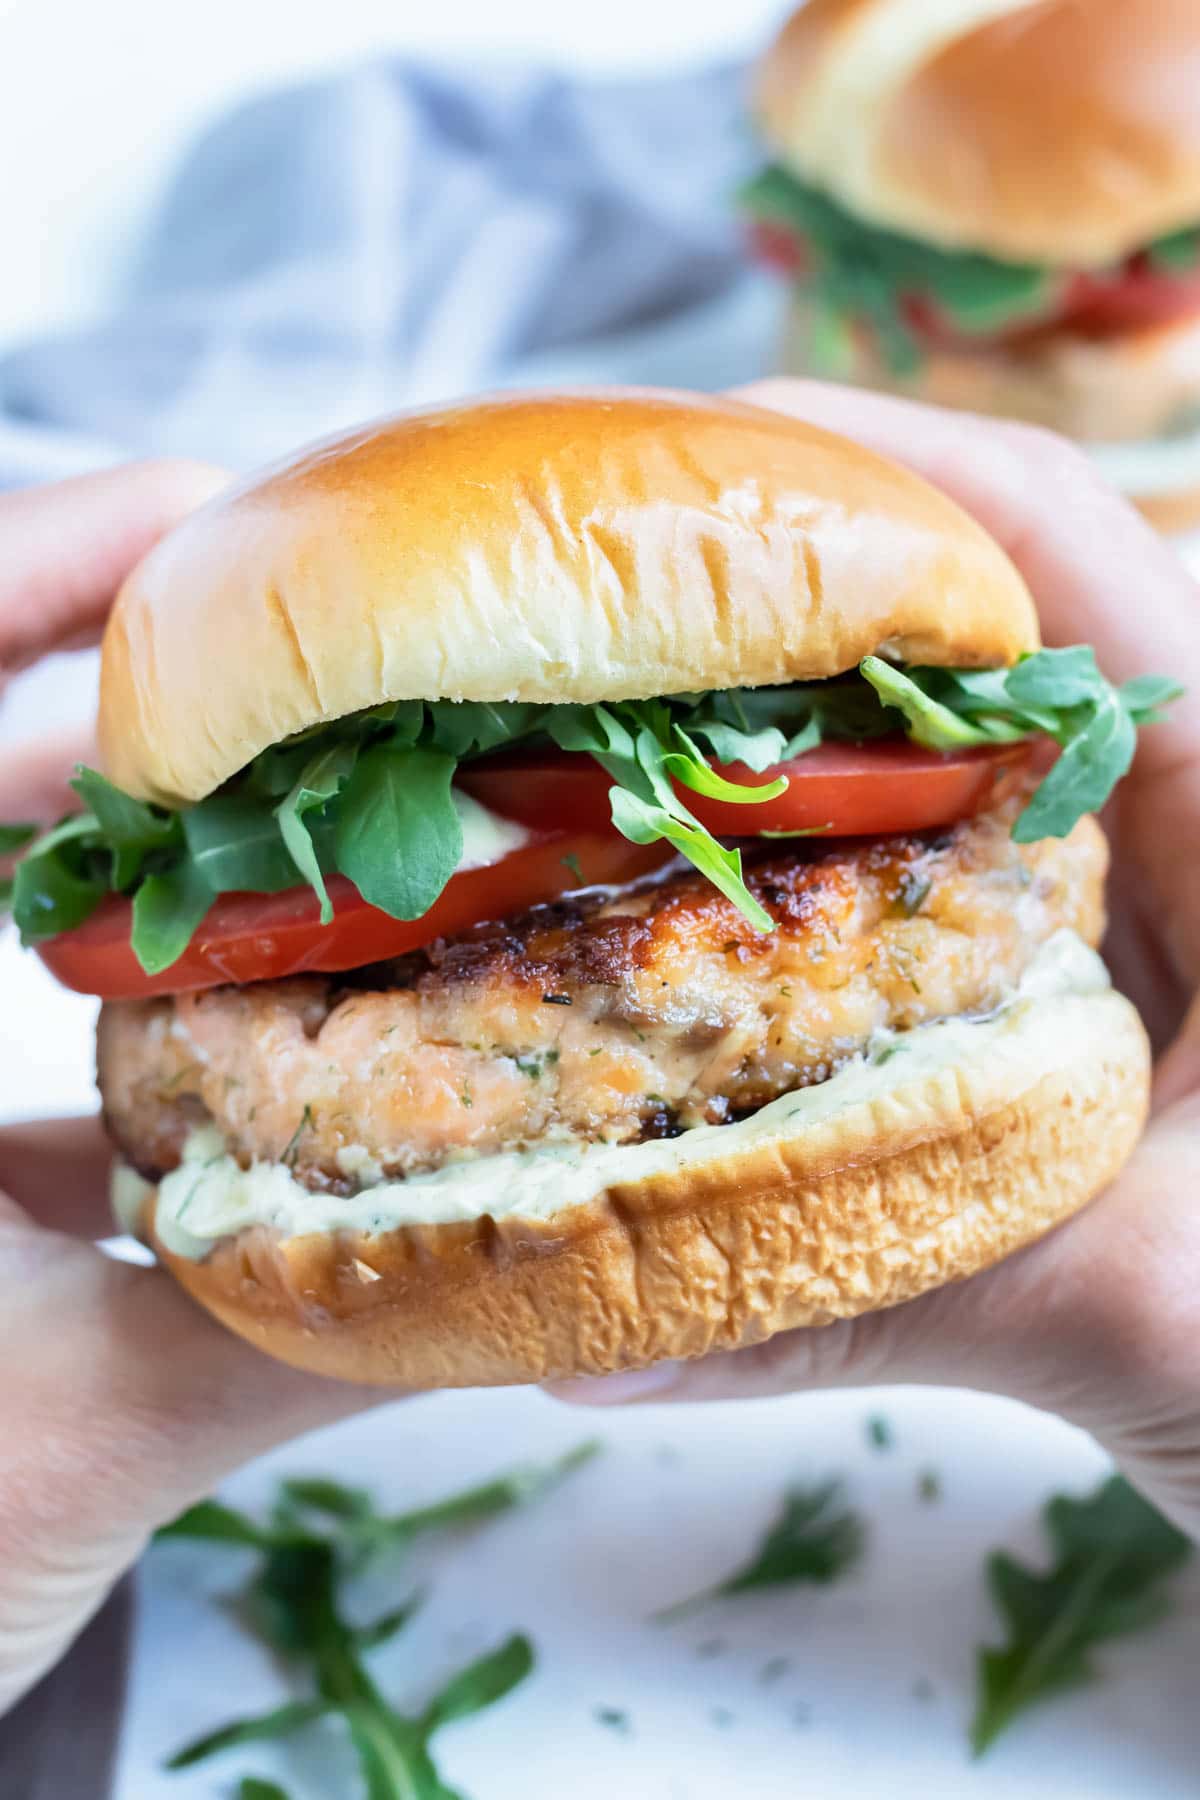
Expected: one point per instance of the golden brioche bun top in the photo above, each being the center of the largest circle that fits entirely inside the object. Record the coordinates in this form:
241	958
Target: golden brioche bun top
540	547
1042	130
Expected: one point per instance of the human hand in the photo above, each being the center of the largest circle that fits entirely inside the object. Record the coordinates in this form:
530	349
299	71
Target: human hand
1099	1322
123	1402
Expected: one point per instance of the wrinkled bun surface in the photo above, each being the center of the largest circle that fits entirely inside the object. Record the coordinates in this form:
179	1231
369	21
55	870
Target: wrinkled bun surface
542	547
884	1199
1056	131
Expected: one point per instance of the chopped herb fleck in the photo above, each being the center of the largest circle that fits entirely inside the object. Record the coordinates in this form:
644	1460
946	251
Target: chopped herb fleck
879	1432
929	1487
615	1718
914	891
557	1000
774	1669
288	1159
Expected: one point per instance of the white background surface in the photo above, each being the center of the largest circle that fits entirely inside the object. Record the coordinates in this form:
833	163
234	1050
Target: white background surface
96	104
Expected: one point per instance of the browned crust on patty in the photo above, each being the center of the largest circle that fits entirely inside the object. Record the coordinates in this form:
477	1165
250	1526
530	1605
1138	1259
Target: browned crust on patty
599	1019
944	1178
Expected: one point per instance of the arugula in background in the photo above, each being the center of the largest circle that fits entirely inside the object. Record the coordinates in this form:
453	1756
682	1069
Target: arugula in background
858	271
318	1534
1113	1552
370	796
864	271
815	1538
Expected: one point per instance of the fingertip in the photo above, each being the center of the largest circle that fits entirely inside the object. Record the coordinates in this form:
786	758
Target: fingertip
622	1389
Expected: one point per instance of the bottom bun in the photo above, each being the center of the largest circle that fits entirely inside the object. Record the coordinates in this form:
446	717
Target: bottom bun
831	1202
1124	389
1124	399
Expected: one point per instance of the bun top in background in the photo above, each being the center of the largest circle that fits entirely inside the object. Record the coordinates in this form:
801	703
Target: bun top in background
1062	131
542	547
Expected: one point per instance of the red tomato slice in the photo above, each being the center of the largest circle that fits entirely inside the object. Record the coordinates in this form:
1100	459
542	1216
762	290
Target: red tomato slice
845	790
1131	298
778	247
263	937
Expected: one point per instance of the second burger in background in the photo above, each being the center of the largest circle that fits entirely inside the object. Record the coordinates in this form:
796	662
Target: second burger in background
996	206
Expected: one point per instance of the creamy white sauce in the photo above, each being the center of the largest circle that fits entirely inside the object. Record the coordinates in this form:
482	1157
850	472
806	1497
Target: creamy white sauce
1153	466
1047	1021
486	836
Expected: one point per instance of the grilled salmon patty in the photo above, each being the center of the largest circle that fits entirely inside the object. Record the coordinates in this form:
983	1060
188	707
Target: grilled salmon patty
605	1017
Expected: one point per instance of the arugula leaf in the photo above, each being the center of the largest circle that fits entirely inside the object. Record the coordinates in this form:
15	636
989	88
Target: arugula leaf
122	820
1177	252
462	728
815	1538
166	911
295	1602
316	1493
399	836
1144	696
210	1521
1084	776
1112	1553
317	784
688	765
487	1500
15	837
388	1624
371	795
488	1679
858	270
252	1787
235	846
57	885
281	1721
930	724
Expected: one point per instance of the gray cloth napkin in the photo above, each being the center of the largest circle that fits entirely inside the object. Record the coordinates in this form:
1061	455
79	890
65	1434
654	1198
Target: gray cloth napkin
59	1743
397	235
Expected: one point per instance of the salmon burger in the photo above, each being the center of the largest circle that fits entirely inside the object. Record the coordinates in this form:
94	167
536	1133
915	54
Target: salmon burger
581	879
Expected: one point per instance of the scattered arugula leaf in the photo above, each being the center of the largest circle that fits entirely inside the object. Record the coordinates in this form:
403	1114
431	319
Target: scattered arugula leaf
281	1721
252	1787
815	1538
318	1533
615	1718
371	797
1112	1553
879	1432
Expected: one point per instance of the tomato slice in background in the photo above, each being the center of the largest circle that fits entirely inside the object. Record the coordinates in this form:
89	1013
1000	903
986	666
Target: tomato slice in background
781	249
844	790
1131	298
264	937
1101	304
